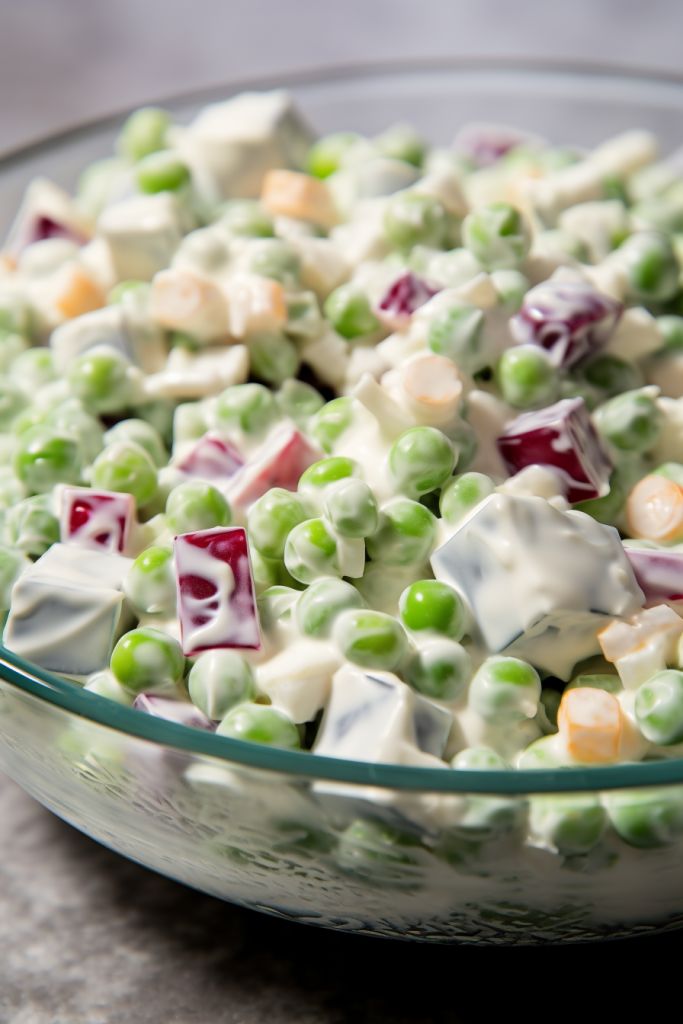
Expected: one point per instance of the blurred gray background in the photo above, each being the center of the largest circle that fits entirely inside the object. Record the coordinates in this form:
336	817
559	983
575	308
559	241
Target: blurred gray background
62	61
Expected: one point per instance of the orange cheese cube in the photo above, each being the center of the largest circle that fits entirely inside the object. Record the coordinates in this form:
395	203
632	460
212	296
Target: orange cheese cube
590	722
78	293
292	194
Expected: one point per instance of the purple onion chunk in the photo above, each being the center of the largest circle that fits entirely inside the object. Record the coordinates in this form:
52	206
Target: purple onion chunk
406	294
659	573
43	227
562	436
485	144
570	319
178	711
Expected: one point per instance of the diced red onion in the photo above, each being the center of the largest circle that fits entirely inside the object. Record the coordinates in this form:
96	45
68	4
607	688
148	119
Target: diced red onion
213	457
279	464
406	294
216	604
659	573
562	436
570	319
96	519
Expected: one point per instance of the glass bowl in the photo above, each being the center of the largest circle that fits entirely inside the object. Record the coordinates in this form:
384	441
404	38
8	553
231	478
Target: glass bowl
412	853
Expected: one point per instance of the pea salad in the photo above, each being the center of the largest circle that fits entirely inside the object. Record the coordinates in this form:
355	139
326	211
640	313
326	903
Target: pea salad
354	445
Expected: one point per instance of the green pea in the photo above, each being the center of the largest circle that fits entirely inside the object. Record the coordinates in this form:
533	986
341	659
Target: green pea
327	154
101	379
125	466
304	318
371	639
406	533
596	681
351	507
273	357
121	290
380	854
12	401
412	218
434	606
330	422
671	328
162	171
150	583
632	422
141	433
505	690
12	564
539	755
275	603
420	460
319	605
497	235
196	505
572	824
298	400
440	669
144	132
659	708
457	333
147	659
462	494
511	286
271	519
311	551
271	257
325	472
31	527
71	419
189	422
526	377
158	414
647	818
608	508
651	266
11	489
246	218
45	458
218	681
611	374
33	368
670	470
401	142
479	759
348	310
15	316
260	724
104	685
11	347
250	407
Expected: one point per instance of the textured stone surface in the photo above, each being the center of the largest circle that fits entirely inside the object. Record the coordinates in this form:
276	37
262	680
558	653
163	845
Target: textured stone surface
87	937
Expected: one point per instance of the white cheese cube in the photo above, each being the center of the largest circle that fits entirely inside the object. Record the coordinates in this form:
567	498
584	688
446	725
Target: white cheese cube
527	569
142	234
375	717
230	146
66	610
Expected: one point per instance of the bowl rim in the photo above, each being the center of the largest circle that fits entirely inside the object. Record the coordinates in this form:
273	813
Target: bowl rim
72	698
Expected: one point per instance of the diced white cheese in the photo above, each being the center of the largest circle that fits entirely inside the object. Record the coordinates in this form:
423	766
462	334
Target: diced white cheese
525	569
142	234
66	610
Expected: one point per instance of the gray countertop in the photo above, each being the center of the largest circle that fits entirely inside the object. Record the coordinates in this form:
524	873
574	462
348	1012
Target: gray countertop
87	937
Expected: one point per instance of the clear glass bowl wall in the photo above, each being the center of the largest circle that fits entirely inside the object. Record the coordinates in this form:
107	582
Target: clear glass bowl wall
413	853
